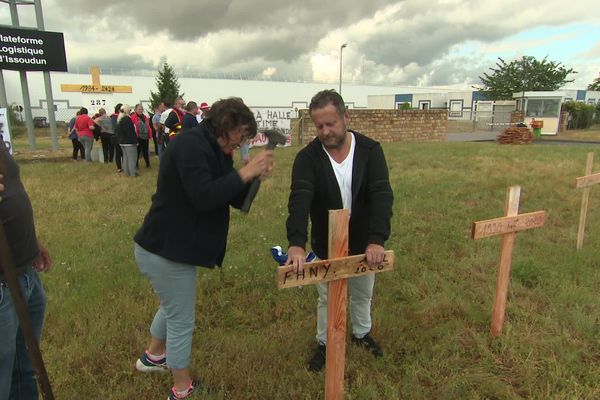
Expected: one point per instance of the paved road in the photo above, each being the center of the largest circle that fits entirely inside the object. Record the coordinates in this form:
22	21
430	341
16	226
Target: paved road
472	137
491	136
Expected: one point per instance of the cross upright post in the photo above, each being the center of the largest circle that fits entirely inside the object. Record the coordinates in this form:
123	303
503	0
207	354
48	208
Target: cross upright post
335	270
585	182
506	226
336	309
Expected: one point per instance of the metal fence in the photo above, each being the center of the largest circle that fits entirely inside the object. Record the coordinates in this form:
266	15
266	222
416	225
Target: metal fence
480	121
40	116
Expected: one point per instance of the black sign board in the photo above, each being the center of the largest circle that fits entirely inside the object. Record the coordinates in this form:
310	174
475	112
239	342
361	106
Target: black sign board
32	50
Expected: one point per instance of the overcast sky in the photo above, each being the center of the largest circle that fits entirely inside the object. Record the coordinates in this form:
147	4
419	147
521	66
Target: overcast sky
411	42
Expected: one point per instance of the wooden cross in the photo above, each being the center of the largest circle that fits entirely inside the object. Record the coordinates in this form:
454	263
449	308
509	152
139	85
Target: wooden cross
95	87
506	226
585	182
335	270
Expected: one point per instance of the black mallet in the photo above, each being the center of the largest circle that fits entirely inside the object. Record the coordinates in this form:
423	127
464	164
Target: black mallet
275	137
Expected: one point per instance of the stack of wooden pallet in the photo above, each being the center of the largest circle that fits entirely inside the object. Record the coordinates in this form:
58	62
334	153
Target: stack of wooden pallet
515	135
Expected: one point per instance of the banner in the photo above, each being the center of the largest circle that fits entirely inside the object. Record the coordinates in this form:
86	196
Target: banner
272	118
32	50
5	129
261	140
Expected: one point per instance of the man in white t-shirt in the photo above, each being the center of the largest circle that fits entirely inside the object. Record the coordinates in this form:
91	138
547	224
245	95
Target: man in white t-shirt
340	168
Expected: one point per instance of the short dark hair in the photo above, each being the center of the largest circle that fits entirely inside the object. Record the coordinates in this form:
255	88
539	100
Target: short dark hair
227	114
326	97
118	108
190	105
83	110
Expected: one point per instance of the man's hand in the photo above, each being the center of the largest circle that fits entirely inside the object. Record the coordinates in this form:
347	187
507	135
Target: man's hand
296	257
374	254
43	262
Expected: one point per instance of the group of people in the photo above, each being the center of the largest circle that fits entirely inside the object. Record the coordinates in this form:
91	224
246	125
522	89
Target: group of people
187	224
125	135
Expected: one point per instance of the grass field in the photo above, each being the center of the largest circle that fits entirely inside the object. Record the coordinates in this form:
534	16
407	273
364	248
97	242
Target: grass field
431	313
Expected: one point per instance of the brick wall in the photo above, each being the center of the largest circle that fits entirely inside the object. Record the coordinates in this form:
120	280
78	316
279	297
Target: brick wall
383	125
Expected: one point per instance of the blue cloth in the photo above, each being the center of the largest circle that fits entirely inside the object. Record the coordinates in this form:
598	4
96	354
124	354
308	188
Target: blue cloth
281	257
17	377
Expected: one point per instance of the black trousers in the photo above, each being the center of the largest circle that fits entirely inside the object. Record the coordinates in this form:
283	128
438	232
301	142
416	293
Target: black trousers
118	152
155	142
108	149
142	149
78	147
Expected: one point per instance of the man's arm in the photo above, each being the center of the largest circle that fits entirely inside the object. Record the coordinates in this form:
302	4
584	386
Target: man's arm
156	123
382	199
1	185
301	196
90	123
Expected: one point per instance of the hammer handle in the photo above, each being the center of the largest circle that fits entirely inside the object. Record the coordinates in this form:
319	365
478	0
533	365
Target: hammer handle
250	195
254	186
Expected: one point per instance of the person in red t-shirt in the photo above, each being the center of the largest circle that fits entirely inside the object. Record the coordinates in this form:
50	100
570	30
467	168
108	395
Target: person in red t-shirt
84	126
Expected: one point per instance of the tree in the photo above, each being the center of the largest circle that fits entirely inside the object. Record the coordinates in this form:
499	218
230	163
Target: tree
595	85
525	74
167	85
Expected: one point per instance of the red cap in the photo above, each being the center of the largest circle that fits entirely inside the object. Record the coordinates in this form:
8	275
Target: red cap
204	106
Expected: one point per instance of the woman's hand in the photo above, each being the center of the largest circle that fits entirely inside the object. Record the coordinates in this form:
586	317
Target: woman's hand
261	165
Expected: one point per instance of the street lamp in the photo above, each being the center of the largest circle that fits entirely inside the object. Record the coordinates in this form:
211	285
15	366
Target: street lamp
341	49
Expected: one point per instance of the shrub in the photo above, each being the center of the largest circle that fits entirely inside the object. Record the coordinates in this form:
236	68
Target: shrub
582	115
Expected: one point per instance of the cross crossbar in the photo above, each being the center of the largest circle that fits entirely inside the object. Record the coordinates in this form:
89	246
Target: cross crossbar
95	87
329	270
587	181
500	226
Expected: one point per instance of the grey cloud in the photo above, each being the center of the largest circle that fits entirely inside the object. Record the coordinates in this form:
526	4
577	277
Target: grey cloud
456	71
254	68
246	37
283	46
423	40
121	62
189	20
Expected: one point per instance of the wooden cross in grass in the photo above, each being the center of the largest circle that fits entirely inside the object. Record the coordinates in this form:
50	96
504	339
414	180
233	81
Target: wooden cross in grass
585	182
335	270
506	226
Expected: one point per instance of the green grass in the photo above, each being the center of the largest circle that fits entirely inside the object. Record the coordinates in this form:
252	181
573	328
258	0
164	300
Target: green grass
431	313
